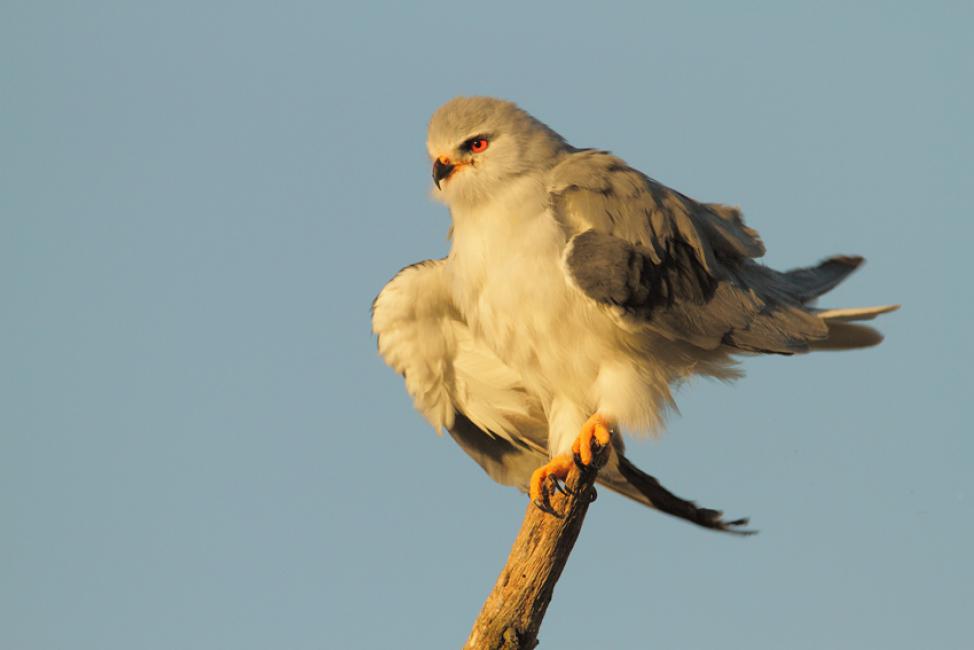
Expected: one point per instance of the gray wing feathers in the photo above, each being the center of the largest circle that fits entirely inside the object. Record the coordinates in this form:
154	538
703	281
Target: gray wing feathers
725	224
681	268
681	301
806	284
677	297
595	190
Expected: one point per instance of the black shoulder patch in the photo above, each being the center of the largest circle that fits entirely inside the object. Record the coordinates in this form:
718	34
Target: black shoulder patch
613	271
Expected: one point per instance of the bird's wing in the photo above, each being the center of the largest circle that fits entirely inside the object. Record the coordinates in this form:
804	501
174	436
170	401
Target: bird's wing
684	269
506	461
458	384
455	381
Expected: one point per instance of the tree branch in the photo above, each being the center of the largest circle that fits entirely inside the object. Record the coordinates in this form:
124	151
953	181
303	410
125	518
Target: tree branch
512	613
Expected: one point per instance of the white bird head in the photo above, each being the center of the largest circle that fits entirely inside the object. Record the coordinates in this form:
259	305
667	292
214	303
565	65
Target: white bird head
480	144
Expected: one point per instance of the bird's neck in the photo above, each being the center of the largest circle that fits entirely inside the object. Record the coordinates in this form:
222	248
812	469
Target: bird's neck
521	200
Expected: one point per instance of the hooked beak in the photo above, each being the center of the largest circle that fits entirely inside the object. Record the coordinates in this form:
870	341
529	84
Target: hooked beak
442	168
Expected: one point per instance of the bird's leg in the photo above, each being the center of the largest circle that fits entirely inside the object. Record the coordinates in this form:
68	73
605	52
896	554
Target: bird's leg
595	430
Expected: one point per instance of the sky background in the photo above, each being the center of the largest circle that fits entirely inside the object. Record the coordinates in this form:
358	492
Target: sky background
199	447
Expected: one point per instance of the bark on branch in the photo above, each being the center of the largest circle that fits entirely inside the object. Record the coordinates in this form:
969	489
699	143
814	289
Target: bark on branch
512	613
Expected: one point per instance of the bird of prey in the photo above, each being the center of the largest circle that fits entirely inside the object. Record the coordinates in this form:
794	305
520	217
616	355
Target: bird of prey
576	293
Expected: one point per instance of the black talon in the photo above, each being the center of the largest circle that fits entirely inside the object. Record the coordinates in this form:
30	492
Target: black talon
583	468
544	502
546	507
564	489
578	461
587	469
561	487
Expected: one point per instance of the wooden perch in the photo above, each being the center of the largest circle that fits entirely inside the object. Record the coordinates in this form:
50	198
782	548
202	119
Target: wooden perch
512	613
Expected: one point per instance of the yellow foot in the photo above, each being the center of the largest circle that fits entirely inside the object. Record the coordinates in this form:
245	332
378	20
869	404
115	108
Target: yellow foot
558	467
595	429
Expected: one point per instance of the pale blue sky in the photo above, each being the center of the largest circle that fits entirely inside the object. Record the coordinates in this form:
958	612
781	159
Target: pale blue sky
200	449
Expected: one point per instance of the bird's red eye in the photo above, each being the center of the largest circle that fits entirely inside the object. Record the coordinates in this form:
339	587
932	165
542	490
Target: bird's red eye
479	145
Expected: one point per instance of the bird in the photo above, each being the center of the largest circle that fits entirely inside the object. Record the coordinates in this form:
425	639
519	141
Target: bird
577	293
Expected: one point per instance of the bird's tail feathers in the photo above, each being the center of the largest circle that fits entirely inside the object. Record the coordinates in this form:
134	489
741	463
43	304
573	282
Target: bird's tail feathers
845	333
808	283
849	314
